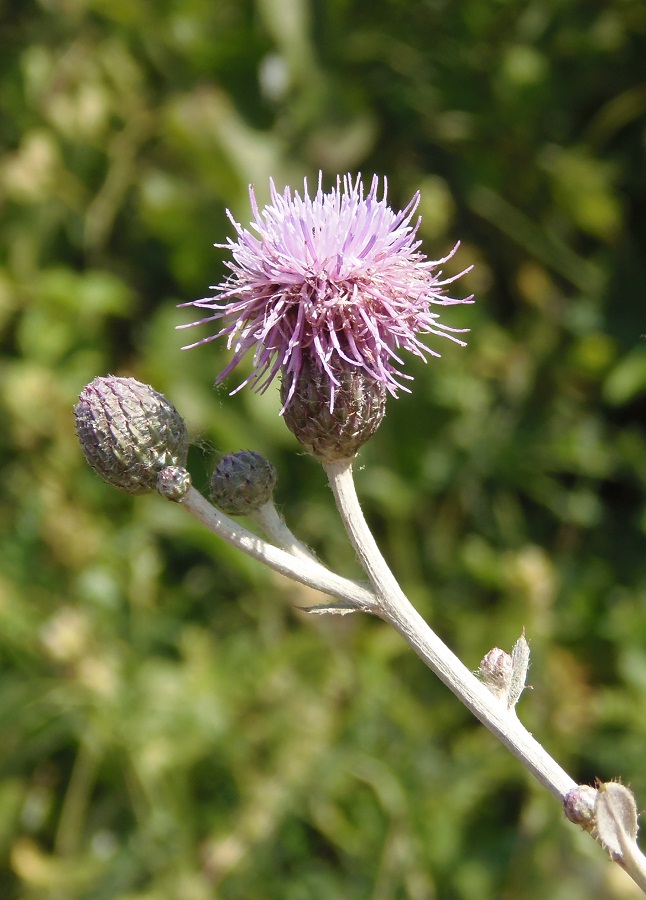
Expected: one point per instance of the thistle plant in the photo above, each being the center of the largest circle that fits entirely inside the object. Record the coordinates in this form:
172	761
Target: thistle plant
328	292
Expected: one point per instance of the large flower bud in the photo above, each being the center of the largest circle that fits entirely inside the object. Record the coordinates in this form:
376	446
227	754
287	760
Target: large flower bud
338	433
129	433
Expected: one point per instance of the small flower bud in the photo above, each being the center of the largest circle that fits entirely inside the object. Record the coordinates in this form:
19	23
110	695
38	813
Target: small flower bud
173	483
337	433
505	673
129	433
242	482
495	671
579	805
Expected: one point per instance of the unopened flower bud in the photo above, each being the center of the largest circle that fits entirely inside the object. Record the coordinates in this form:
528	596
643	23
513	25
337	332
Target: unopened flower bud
505	674
358	404
129	432
173	483
242	482
495	672
579	805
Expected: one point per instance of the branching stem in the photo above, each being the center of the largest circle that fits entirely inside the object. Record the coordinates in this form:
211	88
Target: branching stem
389	603
396	609
304	570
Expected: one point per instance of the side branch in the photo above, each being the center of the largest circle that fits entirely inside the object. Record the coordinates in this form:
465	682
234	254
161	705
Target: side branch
306	571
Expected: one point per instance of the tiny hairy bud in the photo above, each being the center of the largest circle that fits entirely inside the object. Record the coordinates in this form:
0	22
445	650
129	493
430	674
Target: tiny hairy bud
495	672
505	673
332	420
579	805
242	482
129	432
173	483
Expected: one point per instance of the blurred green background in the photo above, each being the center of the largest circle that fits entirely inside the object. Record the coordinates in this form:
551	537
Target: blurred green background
169	726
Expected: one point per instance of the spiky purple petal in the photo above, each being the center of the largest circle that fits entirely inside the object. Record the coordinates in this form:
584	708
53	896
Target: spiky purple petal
338	276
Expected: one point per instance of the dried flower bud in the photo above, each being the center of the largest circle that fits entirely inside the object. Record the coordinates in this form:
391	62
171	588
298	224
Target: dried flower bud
338	433
242	482
129	433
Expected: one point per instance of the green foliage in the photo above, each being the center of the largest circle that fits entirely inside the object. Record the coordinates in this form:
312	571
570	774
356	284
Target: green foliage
170	727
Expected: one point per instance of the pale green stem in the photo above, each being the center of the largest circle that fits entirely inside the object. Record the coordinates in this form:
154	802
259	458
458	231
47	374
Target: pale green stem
389	603
276	529
306	571
395	608
279	533
632	860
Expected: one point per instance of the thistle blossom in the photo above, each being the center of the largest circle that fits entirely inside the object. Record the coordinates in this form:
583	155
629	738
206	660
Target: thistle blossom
337	279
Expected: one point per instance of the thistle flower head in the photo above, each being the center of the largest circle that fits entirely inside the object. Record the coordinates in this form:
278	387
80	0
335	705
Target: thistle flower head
337	278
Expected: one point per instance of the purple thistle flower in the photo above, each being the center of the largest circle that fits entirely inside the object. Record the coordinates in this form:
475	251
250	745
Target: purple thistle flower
338	278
